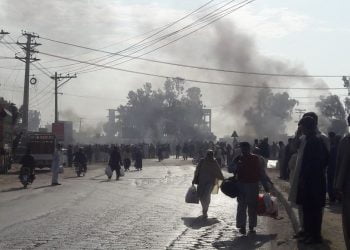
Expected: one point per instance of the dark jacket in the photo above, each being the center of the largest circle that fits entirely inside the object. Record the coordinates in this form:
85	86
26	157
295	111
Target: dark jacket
248	168
342	176
138	159
115	159
312	178
80	157
28	161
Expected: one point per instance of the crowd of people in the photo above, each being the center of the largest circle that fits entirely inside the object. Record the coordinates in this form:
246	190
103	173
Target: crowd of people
314	164
248	168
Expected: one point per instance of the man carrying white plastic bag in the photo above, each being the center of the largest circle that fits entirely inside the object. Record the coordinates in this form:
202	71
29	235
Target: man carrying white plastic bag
206	175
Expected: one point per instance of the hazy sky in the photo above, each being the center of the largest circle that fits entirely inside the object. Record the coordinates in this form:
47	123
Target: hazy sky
312	35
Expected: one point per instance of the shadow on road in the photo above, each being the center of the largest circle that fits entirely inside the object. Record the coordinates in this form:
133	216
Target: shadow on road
73	177
249	242
42	171
199	222
12	189
43	187
97	178
324	246
16	172
335	208
106	180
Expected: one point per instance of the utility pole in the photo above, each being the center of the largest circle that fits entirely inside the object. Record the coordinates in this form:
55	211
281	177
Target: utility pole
57	78
29	49
300	112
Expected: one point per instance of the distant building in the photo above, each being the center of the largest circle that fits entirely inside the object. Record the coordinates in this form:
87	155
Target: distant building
63	130
207	119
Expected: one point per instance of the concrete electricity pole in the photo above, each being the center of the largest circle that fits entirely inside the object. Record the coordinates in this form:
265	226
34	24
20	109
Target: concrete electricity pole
29	49
58	78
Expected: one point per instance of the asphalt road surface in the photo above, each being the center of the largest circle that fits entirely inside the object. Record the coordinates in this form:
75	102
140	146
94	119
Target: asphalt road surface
143	210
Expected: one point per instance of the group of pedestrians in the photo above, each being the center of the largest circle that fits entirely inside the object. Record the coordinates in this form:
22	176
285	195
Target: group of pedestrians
312	162
223	152
249	169
122	157
316	164
119	156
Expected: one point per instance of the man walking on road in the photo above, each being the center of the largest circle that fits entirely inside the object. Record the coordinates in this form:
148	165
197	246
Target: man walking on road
249	174
115	161
55	167
311	188
342	182
207	172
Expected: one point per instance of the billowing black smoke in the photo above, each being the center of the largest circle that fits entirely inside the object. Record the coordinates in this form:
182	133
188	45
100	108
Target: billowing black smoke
256	111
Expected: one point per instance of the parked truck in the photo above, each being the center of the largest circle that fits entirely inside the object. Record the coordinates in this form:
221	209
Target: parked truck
42	147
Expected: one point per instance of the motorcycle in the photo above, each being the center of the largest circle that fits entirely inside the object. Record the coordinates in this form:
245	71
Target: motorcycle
79	169
26	177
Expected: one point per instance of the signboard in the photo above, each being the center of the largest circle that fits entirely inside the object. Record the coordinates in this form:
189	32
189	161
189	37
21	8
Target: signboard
58	130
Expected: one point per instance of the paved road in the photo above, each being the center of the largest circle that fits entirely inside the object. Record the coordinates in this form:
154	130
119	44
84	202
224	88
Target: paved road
144	210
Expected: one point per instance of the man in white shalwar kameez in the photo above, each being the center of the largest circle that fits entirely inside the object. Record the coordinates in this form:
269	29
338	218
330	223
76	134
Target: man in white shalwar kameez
55	166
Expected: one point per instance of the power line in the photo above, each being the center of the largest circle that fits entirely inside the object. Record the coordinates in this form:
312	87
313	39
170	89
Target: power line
110	45
65	94
99	59
6	57
92	96
152	42
188	80
42	70
203	67
162	28
207	17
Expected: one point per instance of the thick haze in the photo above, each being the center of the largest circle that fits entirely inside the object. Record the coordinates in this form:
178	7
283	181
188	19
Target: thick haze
233	43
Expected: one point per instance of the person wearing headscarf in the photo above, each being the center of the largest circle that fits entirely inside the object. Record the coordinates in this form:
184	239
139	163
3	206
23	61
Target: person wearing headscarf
206	175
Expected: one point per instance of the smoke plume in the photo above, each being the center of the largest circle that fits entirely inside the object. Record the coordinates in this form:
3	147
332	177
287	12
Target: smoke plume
236	50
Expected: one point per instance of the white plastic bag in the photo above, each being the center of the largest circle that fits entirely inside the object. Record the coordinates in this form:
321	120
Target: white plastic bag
122	171
60	169
271	208
191	195
216	186
108	171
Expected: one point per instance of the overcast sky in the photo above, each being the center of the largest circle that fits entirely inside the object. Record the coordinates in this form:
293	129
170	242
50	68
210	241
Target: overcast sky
312	36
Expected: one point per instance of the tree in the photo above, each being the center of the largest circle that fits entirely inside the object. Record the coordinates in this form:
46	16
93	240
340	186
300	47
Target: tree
347	105
333	114
167	112
270	113
12	108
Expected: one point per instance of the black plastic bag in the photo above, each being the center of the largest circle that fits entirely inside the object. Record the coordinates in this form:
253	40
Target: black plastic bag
230	187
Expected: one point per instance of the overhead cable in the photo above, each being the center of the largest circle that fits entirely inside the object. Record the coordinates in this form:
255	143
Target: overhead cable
187	79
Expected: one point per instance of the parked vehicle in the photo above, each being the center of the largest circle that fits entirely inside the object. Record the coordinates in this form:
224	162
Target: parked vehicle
42	145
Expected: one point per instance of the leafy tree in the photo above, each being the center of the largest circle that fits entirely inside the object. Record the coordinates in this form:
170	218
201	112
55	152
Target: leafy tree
347	105
333	114
163	112
12	108
270	113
